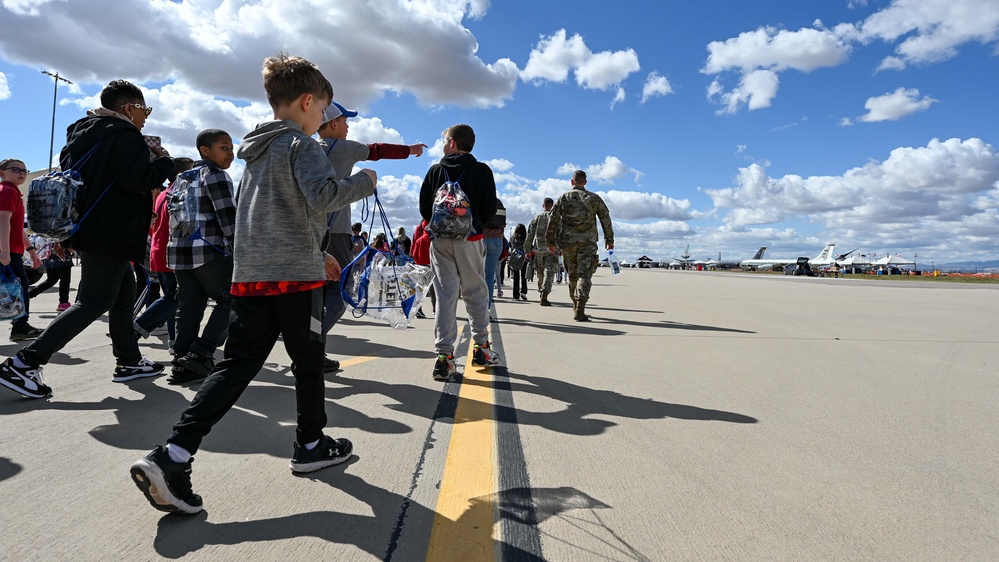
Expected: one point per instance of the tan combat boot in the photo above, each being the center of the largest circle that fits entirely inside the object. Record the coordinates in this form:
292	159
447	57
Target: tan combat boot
544	300
579	310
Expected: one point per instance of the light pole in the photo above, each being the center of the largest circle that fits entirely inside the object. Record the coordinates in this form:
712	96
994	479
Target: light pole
55	94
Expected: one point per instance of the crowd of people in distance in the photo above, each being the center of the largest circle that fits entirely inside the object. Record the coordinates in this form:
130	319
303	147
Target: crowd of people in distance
266	276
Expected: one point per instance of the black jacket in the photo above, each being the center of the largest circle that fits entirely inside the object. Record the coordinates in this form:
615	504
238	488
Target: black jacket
118	223
476	181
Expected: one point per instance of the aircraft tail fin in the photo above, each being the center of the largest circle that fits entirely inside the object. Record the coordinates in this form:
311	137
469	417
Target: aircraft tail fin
826	254
759	253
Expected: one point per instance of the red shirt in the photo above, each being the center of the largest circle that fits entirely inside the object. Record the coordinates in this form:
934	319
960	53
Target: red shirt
271	288
160	235
10	200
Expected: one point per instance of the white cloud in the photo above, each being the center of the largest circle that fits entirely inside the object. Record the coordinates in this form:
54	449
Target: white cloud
618	98
372	130
422	48
655	85
895	105
756	90
555	55
606	172
845	122
761	54
938	182
4	88
932	29
500	165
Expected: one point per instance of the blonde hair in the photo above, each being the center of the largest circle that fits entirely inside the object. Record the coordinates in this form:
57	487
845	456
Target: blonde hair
287	77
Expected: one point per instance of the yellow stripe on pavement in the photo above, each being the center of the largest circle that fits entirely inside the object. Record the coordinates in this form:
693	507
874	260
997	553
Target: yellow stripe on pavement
463	525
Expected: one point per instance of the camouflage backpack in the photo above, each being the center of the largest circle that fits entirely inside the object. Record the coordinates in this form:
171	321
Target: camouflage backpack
451	215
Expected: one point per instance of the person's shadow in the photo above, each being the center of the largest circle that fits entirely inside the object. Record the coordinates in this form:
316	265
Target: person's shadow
8	468
396	528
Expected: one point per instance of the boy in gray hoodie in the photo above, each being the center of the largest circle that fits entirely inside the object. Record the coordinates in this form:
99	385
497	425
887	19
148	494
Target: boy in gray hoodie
279	272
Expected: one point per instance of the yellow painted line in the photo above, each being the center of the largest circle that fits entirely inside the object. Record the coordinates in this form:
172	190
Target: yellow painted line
358	360
463	524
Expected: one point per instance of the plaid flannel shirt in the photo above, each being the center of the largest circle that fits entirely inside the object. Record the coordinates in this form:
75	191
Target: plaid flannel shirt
216	217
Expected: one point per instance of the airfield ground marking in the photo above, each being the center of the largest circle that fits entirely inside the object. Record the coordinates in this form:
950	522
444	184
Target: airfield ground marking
462	528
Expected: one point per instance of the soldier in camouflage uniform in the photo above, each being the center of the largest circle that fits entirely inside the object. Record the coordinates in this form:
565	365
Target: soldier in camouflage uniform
573	228
545	262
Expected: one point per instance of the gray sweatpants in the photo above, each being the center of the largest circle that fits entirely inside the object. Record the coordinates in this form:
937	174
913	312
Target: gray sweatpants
459	269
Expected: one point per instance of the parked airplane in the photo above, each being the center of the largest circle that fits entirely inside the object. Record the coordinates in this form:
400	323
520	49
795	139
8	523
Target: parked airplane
824	259
720	263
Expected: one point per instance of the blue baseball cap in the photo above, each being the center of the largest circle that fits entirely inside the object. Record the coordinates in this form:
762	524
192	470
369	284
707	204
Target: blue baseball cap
336	110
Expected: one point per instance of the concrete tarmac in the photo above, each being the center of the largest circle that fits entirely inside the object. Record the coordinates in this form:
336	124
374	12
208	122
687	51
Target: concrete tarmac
699	416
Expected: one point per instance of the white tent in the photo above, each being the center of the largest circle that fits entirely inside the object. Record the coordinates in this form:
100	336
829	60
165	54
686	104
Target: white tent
894	260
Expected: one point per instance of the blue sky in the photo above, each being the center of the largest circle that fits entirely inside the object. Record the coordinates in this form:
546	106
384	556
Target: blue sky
722	125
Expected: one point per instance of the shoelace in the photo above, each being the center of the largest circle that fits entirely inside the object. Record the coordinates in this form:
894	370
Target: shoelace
35	374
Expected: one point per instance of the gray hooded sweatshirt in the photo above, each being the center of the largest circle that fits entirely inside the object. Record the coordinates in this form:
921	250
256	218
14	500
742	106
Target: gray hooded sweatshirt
287	190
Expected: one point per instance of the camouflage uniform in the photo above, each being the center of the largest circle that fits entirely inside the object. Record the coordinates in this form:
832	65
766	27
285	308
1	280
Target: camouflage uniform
546	263
573	228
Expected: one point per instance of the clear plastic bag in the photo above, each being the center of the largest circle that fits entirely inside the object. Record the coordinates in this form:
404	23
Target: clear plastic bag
11	295
385	286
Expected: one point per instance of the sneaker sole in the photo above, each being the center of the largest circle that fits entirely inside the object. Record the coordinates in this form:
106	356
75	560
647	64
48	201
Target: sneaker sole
149	478
133	376
23	391
22	338
318	465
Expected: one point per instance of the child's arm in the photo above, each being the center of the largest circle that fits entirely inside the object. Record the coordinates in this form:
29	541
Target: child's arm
378	151
220	190
317	179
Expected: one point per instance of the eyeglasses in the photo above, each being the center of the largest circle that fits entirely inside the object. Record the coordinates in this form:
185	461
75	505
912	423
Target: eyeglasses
146	109
18	170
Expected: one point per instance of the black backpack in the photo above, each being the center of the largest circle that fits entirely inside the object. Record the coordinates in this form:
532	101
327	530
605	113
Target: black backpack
499	219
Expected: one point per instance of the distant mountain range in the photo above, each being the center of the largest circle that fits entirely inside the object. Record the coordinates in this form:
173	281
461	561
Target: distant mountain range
965	266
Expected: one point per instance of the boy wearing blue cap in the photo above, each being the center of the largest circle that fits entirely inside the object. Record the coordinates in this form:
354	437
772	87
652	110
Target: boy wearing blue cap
343	154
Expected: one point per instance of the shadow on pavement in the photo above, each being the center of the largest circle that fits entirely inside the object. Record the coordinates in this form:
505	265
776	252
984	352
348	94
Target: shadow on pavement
8	468
179	535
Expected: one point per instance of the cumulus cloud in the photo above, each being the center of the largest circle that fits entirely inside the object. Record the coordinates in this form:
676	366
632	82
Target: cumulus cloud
618	98
758	56
895	105
607	171
932	29
4	88
500	165
217	47
912	186
555	55
655	85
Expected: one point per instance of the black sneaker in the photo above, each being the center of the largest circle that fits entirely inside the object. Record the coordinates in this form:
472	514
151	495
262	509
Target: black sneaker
166	484
143	368
180	376
27	382
330	365
328	452
23	332
483	355
197	364
420	314
444	368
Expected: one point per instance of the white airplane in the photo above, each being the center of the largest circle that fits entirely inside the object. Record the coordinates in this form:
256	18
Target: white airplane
759	263
720	263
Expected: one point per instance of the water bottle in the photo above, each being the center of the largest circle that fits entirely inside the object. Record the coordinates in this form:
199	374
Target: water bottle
615	264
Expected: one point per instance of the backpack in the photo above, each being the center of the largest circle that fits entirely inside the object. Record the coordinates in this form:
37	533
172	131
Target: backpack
499	219
12	303
451	214
183	203
55	201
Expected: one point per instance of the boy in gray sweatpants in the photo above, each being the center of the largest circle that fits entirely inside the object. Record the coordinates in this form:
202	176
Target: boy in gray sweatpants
459	265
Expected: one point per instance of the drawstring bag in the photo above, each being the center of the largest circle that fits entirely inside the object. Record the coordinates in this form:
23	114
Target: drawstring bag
383	285
11	295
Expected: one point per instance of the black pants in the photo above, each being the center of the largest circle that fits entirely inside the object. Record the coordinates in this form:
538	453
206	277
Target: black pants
107	284
194	288
519	281
53	275
256	324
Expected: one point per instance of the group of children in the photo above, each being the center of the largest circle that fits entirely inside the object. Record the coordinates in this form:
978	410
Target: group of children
238	257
